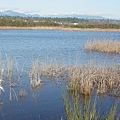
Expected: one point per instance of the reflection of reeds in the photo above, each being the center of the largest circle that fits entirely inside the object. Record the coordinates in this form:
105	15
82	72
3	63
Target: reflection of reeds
22	93
103	46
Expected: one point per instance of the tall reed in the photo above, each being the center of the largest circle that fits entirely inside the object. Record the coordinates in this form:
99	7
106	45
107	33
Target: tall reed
10	65
1	75
35	74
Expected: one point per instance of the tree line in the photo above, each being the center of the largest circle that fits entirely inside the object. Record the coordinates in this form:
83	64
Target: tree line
57	22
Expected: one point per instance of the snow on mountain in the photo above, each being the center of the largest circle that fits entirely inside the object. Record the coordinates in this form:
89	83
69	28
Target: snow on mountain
13	13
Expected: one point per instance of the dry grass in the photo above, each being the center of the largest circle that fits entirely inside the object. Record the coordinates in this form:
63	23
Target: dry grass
7	75
89	77
53	69
35	74
106	46
84	78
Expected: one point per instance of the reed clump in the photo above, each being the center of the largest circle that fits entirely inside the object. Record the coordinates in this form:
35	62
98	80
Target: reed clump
53	69
106	46
86	78
7	75
35	74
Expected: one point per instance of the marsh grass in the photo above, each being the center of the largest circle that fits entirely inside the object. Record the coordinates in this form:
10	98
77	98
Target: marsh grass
106	46
84	78
103	79
89	77
7	70
35	74
53	69
10	76
78	108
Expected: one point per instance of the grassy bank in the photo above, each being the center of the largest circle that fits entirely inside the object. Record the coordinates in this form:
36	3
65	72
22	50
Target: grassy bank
58	28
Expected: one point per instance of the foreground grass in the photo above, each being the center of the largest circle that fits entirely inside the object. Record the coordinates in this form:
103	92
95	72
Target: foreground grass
106	46
77	108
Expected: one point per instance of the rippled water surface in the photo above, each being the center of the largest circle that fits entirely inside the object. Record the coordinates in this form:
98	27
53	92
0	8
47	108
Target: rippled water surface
46	103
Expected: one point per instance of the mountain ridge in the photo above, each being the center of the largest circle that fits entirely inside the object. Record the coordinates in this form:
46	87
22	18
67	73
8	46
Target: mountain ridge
14	13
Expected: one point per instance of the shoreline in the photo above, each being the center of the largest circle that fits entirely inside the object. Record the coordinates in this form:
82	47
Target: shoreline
59	28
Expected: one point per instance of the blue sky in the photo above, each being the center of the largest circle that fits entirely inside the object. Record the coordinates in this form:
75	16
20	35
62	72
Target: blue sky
105	8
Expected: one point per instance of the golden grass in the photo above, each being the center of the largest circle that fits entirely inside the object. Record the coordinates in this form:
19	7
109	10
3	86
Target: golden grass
89	77
106	46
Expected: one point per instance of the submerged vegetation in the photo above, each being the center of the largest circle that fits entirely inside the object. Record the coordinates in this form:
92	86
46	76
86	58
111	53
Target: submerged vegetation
106	46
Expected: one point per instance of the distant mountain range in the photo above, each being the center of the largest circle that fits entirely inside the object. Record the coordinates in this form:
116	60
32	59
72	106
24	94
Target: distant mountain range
13	13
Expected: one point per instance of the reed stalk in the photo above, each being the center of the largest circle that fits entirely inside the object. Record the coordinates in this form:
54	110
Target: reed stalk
35	74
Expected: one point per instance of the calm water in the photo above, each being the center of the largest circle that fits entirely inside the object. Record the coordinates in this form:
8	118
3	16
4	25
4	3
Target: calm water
46	102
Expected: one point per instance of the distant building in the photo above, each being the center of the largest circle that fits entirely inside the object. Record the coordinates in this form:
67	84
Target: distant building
75	23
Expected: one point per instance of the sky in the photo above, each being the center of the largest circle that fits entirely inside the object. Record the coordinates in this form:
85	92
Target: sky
105	8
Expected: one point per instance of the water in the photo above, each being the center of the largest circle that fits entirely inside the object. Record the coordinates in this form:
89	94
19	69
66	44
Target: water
46	102
67	45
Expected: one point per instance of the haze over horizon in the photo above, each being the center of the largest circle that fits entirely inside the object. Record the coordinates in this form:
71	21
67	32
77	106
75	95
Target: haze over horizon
106	8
